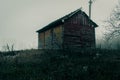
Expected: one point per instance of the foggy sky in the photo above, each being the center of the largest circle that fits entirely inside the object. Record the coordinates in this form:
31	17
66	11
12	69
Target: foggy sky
20	19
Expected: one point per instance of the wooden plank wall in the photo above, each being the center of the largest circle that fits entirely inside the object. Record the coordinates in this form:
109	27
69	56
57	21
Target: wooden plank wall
57	37
48	38
41	42
78	32
51	39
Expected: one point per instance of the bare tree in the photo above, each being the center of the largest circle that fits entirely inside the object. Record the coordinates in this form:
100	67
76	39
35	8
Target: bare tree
113	24
8	48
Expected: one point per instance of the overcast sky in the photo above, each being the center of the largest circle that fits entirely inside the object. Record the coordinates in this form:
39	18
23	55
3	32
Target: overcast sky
19	19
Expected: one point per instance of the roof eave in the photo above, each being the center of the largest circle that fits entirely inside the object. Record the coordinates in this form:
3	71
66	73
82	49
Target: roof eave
54	24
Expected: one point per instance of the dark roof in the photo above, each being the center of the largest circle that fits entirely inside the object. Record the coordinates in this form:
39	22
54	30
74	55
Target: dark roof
61	21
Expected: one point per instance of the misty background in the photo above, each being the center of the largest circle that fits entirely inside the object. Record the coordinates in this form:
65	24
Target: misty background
20	19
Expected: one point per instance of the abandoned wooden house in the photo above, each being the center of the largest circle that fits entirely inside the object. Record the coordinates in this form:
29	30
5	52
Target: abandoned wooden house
75	30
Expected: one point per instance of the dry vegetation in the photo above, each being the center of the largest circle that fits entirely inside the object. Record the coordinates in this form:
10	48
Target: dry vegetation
84	64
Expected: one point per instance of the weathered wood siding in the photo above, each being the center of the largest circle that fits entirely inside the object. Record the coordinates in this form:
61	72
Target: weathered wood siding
41	40
51	39
48	39
57	37
88	36
78	32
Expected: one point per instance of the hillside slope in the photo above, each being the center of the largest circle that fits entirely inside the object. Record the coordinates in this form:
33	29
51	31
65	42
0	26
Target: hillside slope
84	64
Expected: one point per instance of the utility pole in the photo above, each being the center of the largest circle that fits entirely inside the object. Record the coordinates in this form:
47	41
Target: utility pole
90	4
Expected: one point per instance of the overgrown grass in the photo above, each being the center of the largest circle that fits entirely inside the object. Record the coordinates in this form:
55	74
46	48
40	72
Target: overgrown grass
84	64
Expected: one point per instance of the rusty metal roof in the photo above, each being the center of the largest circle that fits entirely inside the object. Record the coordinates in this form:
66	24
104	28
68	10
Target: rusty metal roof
61	21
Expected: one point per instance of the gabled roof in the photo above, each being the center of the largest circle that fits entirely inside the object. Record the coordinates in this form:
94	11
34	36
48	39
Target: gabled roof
61	21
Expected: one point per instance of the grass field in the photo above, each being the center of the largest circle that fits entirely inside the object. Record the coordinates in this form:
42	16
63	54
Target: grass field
84	64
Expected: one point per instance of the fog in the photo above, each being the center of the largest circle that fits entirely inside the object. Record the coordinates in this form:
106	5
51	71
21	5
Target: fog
20	19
